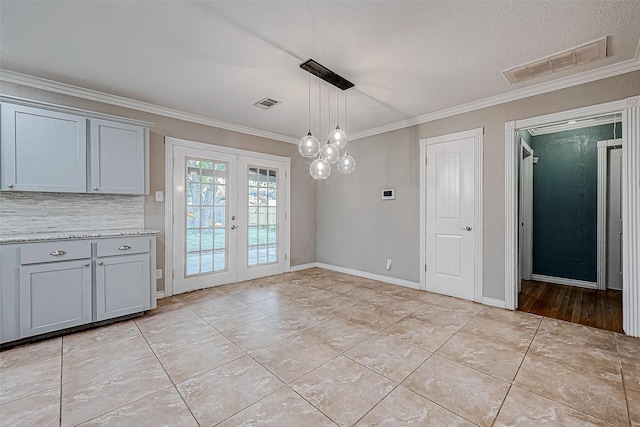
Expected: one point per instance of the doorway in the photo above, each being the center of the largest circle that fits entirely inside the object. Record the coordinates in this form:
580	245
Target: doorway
451	214
229	215
629	112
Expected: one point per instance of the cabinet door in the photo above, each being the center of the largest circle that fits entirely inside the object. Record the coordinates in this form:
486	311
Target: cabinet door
42	150
54	296
117	158
123	286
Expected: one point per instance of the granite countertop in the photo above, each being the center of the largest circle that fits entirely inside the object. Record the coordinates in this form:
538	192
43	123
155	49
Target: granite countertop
68	235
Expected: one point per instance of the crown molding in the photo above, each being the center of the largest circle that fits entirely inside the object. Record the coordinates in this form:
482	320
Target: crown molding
93	95
586	123
562	83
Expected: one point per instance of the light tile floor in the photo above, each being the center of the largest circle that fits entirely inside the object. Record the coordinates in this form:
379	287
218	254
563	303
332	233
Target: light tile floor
316	348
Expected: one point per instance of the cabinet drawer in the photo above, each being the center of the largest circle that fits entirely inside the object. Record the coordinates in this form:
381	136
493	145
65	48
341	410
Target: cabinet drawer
122	246
54	251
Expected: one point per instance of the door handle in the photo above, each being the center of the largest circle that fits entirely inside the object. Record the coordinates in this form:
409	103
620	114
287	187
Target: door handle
467	228
233	227
233	218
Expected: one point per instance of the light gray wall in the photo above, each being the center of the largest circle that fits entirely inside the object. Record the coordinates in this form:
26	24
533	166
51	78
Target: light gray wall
358	230
303	188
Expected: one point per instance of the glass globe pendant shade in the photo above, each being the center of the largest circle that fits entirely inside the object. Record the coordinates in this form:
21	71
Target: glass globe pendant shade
338	138
329	153
320	169
346	164
309	146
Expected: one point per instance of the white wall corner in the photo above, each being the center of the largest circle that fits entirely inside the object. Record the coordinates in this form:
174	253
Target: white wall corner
511	217
493	302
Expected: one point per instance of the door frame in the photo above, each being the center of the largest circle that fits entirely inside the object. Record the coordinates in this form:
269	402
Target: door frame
630	109
170	143
477	134
603	192
526	209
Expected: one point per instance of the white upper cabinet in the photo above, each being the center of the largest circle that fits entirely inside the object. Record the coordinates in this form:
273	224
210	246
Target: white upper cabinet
70	152
42	150
117	163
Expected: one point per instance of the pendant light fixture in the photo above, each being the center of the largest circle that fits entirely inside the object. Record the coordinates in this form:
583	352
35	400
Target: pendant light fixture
309	146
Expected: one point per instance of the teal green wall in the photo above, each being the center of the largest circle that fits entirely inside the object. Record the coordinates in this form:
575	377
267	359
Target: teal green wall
565	182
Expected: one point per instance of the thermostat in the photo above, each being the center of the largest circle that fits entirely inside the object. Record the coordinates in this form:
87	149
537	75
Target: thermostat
389	194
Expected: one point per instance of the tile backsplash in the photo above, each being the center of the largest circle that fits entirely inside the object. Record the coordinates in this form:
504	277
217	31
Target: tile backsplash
29	212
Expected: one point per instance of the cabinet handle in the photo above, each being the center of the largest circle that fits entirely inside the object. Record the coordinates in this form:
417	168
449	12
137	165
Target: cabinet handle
86	264
10	185
124	248
100	263
58	253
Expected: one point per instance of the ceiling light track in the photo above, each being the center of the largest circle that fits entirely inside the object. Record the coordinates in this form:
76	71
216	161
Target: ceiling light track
326	74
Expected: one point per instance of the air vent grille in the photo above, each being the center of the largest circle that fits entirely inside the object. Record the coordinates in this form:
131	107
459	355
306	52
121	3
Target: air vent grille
267	103
579	55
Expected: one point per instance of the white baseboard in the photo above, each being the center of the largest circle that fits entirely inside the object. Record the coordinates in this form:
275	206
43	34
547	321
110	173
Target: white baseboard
564	281
159	294
493	302
367	275
303	266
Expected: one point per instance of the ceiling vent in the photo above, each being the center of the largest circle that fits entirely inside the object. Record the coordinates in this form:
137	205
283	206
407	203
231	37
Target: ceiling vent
579	55
267	103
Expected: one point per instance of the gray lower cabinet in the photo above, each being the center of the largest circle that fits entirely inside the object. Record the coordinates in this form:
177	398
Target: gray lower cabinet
54	296
120	286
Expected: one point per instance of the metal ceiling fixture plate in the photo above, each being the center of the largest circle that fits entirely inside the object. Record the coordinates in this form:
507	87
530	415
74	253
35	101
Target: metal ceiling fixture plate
326	74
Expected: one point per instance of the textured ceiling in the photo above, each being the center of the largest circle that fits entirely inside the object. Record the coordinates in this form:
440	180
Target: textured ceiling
216	59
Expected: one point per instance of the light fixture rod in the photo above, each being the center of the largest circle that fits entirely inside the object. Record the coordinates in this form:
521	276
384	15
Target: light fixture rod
326	74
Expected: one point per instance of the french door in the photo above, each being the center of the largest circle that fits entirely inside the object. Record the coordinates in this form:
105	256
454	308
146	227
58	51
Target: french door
229	217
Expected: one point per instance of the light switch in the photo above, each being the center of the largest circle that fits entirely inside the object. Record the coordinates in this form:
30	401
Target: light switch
159	196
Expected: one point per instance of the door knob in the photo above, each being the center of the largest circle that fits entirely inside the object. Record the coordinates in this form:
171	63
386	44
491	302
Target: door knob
467	228
233	227
233	218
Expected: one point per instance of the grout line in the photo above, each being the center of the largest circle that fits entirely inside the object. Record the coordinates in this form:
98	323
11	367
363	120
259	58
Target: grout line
624	385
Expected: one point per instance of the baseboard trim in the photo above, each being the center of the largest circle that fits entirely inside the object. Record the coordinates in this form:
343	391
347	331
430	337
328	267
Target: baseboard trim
564	281
159	294
367	275
300	267
493	302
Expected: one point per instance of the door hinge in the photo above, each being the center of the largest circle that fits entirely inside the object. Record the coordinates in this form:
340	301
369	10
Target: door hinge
285	215
425	268
173	274
285	257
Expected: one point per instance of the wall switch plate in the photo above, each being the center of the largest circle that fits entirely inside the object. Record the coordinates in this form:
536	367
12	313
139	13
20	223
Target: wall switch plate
159	273
159	196
388	266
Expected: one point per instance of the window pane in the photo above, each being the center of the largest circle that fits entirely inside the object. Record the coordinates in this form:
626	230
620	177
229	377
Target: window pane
262	197
207	239
273	253
219	260
206	262
253	177
193	194
193	263
253	196
253	255
193	240
193	217
262	254
253	236
220	218
273	235
220	241
253	216
220	195
206	217
262	215
262	234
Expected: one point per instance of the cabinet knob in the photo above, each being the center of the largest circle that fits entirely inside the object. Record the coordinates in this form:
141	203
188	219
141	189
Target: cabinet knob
86	264
57	253
10	185
100	263
124	248
95	188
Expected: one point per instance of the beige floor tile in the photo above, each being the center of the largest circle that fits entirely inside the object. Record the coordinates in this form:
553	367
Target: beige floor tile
462	390
633	400
303	318
271	306
93	396
628	346
631	370
293	357
398	307
525	409
603	363
518	337
368	317
577	389
402	407
420	333
194	297
166	318
517	318
282	408
23	381
491	358
343	390
453	318
192	359
413	294
38	410
230	319
255	295
388	356
259	334
90	361
339	334
174	335
165	305
221	392
579	333
105	334
212	305
163	408
30	353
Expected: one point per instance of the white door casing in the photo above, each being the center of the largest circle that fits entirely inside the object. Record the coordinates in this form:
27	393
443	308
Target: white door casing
451	225
526	211
630	108
236	217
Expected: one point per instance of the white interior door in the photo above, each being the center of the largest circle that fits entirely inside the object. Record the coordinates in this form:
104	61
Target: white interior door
204	203
450	218
614	219
526	211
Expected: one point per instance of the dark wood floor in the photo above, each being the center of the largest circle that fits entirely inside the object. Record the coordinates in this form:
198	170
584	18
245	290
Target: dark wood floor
600	309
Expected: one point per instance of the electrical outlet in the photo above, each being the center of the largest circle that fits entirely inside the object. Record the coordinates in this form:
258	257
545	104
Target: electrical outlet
159	196
159	273
388	267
